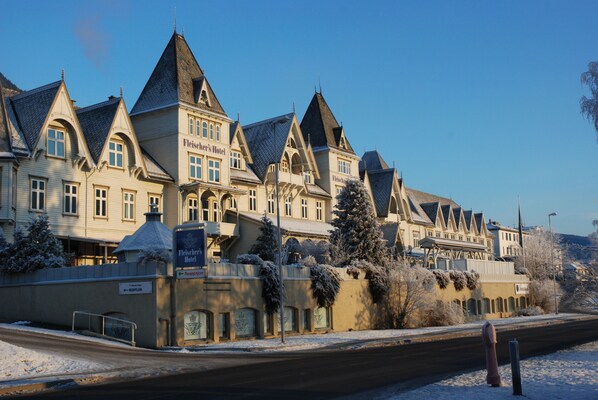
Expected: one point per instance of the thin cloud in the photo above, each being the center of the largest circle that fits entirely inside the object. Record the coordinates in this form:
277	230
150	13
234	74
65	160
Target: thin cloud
93	40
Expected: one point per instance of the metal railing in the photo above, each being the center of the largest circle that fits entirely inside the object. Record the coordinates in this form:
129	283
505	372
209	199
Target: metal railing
114	331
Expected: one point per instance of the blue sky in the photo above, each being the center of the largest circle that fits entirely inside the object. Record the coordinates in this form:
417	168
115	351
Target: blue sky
473	100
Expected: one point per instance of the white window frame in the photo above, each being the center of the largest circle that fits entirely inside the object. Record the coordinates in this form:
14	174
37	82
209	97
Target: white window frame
218	133
319	210
129	205
70	198
195	167
191	125
288	206
344	166
37	191
204	129
192	209
56	146
116	154
213	170
252	200
211	131
154	198
271	204
235	159
304	213
198	128
100	202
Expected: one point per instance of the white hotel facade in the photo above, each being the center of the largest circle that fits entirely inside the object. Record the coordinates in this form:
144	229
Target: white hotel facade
95	171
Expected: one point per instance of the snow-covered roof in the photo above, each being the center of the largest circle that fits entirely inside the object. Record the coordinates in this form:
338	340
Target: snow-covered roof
295	226
152	234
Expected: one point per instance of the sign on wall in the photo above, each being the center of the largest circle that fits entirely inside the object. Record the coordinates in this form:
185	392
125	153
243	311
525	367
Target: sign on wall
190	248
521	288
134	288
198	273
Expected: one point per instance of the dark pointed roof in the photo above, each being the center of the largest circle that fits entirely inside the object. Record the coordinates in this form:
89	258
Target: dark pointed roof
177	78
381	184
95	122
372	161
479	219
320	127
266	147
31	109
457	215
446	213
431	210
468	218
5	147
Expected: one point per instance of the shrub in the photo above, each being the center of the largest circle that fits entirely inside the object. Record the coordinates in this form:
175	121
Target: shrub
529	311
308	261
445	314
459	280
270	286
249	259
325	284
378	281
442	278
472	279
353	271
153	254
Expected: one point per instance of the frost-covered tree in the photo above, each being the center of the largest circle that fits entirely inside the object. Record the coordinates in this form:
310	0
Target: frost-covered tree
153	254
325	284
589	106
271	286
266	244
411	295
356	234
37	249
442	278
459	280
540	255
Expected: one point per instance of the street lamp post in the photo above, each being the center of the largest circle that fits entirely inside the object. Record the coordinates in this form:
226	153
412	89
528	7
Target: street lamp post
279	236
556	304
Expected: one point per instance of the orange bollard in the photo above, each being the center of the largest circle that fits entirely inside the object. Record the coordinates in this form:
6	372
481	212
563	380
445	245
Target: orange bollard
489	339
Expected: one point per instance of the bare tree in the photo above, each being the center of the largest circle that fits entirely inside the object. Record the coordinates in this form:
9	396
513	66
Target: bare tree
541	254
589	106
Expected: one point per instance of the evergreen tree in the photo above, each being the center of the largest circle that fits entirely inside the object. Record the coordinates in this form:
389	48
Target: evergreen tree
266	244
356	234
36	250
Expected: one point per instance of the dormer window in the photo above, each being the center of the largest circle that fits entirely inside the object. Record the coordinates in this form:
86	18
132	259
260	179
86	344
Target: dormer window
235	159
115	154
291	143
203	98
307	176
55	143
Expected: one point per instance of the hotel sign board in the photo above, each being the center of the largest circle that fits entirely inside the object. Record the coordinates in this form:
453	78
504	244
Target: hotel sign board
189	242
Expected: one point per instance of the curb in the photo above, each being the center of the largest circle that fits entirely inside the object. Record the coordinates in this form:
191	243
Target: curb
35	387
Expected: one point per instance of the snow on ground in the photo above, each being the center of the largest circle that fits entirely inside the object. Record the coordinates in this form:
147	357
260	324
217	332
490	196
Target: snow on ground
570	374
20	363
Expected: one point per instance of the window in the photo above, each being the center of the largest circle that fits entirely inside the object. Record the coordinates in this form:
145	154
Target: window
70	198
196	325
155	200
303	208
284	165
319	210
429	233
344	166
288	207
55	143
101	202
211	131
214	170
461	237
192	209
321	317
129	206
190	126
271	203
415	239
252	200
198	128
232	203
245	322
204	132
115	154
307	176
194	167
205	210
215	211
235	159
218	132
38	194
339	189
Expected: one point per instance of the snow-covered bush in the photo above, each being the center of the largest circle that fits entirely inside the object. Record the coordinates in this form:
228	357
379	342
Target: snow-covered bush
353	271
472	278
270	286
445	314
153	254
378	282
529	311
542	293
459	280
36	250
308	261
325	284
249	259
442	278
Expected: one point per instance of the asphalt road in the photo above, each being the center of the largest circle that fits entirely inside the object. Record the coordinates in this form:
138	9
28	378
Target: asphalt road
330	374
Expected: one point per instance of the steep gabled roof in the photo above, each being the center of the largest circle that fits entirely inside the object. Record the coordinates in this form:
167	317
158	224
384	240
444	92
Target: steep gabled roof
431	210
468	215
372	161
155	170
267	140
381	183
479	220
320	127
177	78
96	121
423	197
457	213
446	214
5	146
31	109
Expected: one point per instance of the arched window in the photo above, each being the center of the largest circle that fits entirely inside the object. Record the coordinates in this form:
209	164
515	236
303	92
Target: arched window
211	131
511	304
290	319
472	307
486	306
245	322
218	132
322	317
522	302
500	307
196	325
204	132
198	128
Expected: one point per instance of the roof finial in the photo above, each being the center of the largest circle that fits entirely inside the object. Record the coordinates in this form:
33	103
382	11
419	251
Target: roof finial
238	116
293	107
121	92
320	84
62	75
315	89
174	19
